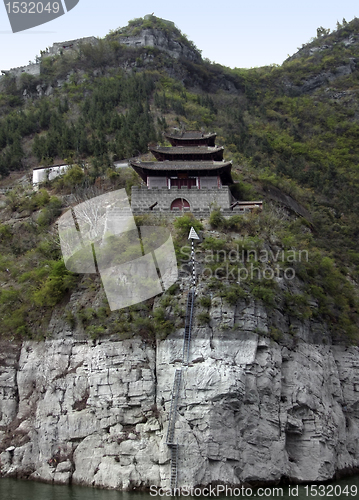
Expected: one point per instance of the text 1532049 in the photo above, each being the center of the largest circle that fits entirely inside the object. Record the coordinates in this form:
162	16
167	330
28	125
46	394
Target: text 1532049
32	7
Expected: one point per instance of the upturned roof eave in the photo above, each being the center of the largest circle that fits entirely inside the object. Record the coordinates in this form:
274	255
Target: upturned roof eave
144	169
188	137
190	150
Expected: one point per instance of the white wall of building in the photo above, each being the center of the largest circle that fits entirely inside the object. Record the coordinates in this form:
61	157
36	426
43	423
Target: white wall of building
47	173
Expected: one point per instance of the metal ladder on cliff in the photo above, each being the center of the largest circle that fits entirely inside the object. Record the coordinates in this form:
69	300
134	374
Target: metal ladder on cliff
178	375
188	326
174	466
171	428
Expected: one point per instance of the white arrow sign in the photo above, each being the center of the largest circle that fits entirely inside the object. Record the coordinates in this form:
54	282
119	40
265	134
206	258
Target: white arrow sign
193	235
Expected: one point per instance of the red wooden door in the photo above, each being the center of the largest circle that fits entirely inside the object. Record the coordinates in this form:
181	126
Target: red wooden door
180	203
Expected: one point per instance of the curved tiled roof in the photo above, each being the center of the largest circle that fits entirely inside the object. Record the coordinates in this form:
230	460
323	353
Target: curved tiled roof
192	137
191	134
188	152
145	168
191	150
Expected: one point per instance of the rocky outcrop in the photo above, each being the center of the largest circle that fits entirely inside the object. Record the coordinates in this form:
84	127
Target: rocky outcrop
320	46
324	48
287	201
250	408
150	37
323	78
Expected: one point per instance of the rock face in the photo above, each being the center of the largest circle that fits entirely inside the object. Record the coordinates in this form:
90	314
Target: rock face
250	409
321	48
323	78
150	37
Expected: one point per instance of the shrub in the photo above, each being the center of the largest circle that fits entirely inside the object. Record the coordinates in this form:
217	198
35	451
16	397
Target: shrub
205	301
74	176
275	333
216	219
173	289
16	323
183	225
10	296
41	198
95	332
70	318
236	222
5	233
58	282
298	305
86	315
264	293
51	212
232	294
203	318
166	300
243	191
49	248
211	243
163	326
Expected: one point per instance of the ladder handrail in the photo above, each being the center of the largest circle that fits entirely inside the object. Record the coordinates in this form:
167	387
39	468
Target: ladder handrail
174	465
188	326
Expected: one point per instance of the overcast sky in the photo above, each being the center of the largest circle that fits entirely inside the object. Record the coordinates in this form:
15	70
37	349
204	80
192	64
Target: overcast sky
234	33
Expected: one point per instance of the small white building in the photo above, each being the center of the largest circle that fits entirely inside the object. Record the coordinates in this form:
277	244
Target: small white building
42	174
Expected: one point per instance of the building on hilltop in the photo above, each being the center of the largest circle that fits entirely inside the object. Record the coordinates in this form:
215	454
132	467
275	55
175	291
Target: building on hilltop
59	48
189	176
31	69
55	50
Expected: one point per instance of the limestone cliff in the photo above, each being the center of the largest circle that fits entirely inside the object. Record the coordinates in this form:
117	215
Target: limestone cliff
152	31
250	409
157	38
324	69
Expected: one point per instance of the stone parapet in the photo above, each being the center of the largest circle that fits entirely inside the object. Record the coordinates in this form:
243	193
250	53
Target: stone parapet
201	200
172	214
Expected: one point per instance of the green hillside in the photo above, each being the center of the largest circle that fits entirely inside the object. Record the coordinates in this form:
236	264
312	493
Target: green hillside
290	130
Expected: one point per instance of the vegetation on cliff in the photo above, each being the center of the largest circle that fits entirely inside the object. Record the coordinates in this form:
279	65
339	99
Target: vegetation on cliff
292	127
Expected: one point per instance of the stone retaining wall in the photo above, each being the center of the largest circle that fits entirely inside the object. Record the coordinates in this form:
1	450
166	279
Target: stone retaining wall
200	200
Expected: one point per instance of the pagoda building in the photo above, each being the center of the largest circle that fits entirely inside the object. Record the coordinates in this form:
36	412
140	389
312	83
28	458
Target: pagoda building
189	176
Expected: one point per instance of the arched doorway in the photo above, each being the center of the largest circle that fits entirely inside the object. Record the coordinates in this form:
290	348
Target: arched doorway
180	203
